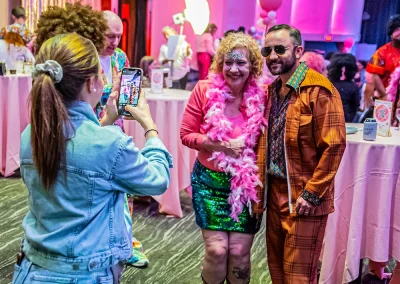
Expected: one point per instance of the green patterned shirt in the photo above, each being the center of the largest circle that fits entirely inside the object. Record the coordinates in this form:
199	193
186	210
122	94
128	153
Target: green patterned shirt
277	121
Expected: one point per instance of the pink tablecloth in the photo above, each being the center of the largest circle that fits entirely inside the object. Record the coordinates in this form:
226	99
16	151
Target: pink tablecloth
167	111
14	117
366	221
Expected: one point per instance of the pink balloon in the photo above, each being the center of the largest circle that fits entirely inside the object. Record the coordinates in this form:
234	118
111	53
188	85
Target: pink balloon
270	5
263	14
348	42
272	23
266	21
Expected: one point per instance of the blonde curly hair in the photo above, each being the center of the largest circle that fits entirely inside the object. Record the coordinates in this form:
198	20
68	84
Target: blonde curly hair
74	18
237	40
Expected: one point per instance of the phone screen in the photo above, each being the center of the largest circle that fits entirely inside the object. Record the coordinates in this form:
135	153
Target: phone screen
130	88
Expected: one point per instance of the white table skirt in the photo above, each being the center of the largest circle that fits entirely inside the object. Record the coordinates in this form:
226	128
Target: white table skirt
167	111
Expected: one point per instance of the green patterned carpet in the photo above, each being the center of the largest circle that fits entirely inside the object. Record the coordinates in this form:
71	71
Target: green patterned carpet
174	246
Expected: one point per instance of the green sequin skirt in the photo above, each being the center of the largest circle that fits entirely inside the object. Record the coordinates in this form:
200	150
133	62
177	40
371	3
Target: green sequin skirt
210	203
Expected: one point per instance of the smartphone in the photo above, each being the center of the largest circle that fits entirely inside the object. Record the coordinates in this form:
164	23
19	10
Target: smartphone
131	80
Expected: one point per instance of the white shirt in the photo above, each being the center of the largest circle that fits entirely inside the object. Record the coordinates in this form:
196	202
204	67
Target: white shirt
181	64
105	62
20	53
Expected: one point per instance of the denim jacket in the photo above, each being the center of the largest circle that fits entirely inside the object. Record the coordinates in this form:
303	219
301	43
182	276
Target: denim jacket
78	225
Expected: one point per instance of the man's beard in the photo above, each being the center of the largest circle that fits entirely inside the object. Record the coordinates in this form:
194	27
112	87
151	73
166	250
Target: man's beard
286	66
396	42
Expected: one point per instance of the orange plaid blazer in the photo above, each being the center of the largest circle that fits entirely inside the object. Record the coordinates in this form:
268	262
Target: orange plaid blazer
315	140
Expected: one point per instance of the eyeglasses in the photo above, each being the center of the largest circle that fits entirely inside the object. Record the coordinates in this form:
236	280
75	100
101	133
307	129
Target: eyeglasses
279	50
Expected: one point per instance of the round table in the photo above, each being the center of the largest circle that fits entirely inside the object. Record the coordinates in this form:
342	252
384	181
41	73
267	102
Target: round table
167	112
14	117
366	221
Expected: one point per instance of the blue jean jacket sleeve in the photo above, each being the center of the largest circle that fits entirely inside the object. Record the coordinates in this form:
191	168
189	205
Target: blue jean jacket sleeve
142	172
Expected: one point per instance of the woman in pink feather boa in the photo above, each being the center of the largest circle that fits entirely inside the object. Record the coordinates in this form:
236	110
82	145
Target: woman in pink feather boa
222	121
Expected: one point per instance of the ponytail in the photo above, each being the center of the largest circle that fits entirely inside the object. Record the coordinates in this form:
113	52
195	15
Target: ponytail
63	64
48	117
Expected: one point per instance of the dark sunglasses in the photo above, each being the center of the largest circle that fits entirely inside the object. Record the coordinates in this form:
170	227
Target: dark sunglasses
279	49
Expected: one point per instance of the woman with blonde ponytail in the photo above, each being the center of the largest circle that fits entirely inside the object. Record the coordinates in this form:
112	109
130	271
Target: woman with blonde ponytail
76	183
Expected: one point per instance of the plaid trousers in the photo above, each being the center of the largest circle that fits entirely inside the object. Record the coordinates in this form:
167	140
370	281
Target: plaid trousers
293	242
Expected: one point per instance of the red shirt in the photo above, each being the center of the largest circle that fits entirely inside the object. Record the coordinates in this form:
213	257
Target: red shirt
384	61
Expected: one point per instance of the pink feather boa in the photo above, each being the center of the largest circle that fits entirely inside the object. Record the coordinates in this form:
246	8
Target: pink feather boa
243	169
393	85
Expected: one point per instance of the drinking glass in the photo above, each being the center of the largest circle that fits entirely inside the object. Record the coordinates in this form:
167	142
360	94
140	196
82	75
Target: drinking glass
19	66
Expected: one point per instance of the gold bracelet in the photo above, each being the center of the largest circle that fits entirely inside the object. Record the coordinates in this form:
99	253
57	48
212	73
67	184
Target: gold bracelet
149	131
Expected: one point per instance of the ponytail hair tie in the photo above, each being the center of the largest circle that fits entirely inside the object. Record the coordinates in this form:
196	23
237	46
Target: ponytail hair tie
50	67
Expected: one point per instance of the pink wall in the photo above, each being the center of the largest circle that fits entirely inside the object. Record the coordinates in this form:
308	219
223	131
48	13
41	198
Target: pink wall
314	19
236	15
162	16
341	18
347	17
226	14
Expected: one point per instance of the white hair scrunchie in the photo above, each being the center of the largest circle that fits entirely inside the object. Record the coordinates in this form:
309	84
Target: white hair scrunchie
51	67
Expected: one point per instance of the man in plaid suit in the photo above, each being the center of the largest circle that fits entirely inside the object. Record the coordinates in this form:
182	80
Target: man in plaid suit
298	156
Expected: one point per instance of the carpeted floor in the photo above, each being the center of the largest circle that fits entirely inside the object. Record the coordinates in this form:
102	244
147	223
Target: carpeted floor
174	246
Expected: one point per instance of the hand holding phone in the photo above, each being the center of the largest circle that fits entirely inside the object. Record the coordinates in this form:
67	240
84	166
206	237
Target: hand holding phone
130	85
141	113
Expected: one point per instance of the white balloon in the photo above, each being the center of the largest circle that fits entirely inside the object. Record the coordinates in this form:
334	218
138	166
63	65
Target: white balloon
272	15
260	23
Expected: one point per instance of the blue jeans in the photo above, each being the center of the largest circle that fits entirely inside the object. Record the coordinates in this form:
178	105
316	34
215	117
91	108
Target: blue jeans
29	273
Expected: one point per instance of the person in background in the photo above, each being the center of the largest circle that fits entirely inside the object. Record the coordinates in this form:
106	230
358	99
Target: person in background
18	15
229	32
329	55
361	80
241	29
180	67
325	70
360	75
314	60
205	50
386	59
12	48
78	18
112	58
222	121
297	157
393	91
77	185
146	64
341	73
